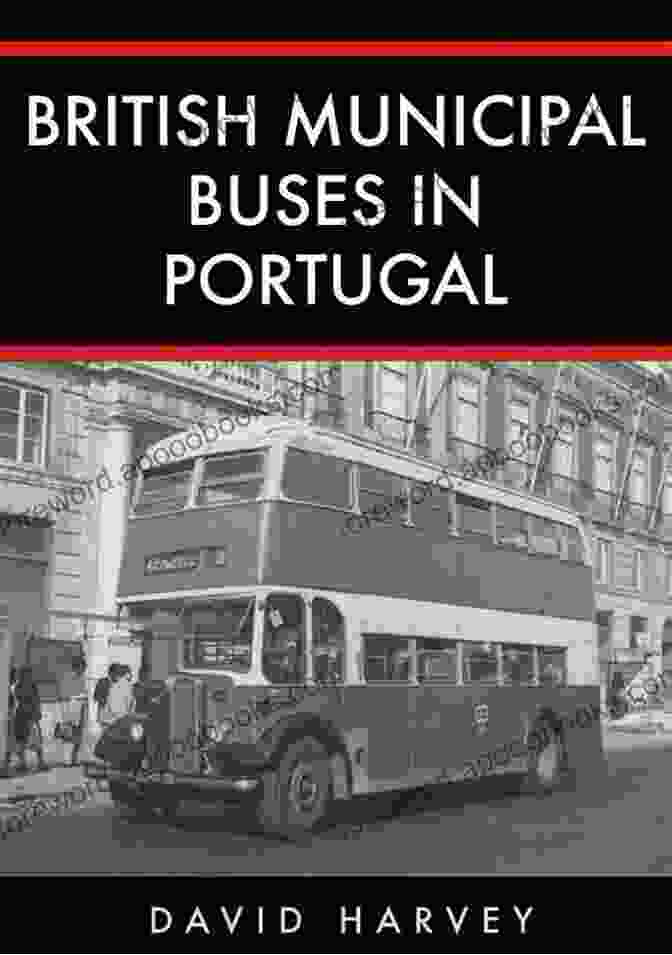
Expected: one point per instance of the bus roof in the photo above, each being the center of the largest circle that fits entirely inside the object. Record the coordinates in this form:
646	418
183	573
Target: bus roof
272	429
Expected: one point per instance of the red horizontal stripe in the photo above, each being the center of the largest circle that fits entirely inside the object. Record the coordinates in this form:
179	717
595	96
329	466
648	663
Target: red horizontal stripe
371	352
336	48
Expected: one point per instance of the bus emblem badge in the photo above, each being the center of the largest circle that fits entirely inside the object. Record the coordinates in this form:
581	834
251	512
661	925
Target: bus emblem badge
481	718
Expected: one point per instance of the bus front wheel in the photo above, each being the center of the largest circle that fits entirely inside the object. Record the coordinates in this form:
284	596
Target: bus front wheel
295	797
547	760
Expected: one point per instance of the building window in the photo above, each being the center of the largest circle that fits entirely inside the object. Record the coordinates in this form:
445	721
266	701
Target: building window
638	569
604	463
638	488
23	425
602	561
603	619
519	422
467	410
393	382
638	626
391	399
564	449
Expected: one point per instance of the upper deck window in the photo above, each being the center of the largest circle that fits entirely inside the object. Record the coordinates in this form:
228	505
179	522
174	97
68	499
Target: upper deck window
378	487
574	545
475	515
512	527
165	490
545	536
319	478
232	477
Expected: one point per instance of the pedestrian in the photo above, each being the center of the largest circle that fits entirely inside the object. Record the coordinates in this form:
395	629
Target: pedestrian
617	704
11	708
27	716
119	701
102	688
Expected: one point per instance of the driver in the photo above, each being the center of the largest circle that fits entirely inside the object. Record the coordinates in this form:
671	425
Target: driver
283	654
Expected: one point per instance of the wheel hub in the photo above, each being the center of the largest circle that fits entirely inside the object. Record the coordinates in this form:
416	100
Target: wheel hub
304	789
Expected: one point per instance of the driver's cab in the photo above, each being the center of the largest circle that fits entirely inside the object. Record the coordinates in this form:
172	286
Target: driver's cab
303	640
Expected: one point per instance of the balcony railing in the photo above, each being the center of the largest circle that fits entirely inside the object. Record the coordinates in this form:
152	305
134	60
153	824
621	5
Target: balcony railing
395	430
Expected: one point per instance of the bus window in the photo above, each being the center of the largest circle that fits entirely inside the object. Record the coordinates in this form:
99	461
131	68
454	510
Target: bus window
219	636
386	659
518	664
380	489
316	477
328	642
284	643
511	527
544	537
480	662
552	666
431	508
437	660
165	490
574	545
475	515
234	477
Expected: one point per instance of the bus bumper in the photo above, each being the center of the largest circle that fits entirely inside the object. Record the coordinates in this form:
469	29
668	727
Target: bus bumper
179	785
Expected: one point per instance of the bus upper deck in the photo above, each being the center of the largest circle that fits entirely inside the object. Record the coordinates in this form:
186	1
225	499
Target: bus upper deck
268	506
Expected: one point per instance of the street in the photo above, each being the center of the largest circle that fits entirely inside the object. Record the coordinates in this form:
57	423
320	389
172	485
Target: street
617	823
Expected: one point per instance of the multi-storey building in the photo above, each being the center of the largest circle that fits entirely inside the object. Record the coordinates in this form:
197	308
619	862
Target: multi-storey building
67	431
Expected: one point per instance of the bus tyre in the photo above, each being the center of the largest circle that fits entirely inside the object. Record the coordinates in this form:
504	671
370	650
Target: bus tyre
295	797
546	761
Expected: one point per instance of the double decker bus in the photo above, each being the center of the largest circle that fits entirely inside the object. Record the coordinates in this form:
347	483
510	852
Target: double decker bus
289	662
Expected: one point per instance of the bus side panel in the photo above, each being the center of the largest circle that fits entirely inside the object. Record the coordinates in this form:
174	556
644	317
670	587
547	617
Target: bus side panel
225	540
308	545
380	715
455	726
473	730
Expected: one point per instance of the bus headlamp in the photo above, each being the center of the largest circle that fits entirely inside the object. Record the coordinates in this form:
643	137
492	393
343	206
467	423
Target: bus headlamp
215	732
137	732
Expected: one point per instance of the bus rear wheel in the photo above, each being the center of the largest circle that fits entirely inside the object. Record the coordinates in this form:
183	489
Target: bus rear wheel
546	762
296	796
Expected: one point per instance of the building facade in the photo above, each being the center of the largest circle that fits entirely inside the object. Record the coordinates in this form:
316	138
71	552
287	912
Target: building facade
68	431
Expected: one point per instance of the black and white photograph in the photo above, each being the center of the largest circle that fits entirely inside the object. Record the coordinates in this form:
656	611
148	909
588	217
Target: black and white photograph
287	590
335	492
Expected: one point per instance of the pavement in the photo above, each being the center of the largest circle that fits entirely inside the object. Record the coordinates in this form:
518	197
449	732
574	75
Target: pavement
27	796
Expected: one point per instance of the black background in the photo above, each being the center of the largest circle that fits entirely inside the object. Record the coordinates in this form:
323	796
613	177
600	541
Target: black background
579	237
113	914
577	233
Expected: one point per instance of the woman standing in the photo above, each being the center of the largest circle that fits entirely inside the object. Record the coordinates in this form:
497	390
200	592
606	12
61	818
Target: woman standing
27	716
119	702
